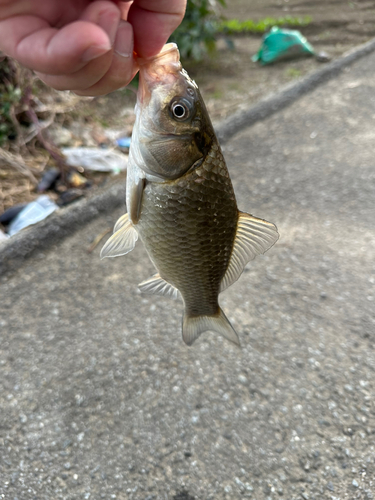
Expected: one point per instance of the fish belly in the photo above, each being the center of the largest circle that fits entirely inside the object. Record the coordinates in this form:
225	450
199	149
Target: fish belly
188	227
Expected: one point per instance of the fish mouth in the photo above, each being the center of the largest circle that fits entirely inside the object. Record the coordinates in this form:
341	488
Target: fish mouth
162	69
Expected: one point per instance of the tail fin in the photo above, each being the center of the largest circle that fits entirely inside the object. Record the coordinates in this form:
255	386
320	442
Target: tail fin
193	326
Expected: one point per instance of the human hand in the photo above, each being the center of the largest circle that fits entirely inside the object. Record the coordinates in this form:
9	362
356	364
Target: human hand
86	46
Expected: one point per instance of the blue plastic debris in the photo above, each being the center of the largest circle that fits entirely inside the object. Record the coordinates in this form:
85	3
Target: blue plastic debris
34	212
123	142
282	44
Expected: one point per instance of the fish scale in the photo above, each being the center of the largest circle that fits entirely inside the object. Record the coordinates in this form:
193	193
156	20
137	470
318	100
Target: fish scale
202	228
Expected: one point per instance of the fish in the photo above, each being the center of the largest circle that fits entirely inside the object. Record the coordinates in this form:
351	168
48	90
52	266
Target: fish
181	202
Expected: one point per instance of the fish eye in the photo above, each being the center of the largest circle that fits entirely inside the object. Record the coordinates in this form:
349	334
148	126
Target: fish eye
180	110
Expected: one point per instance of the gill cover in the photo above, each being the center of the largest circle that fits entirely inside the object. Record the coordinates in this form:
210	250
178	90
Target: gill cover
172	121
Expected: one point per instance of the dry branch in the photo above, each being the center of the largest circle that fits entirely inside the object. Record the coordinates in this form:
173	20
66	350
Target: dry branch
16	161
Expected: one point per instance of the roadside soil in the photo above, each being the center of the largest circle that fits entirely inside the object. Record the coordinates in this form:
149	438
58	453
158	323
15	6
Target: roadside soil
228	80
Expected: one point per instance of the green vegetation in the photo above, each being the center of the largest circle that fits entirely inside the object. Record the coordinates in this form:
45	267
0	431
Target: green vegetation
196	34
234	26
293	72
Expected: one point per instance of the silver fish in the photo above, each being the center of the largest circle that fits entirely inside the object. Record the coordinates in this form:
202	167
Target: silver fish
181	201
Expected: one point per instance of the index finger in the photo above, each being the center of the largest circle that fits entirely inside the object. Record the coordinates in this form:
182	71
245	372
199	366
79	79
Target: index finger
153	22
38	46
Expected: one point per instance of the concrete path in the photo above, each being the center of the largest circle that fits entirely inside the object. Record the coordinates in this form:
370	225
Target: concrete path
99	396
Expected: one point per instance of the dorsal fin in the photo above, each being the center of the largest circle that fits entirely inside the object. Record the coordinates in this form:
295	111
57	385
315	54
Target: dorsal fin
157	286
122	241
254	236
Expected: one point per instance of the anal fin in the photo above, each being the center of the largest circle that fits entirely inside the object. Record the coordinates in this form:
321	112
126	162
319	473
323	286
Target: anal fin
254	236
158	286
122	241
193	326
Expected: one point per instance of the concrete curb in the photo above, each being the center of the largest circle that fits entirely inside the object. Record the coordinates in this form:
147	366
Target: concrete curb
59	225
66	221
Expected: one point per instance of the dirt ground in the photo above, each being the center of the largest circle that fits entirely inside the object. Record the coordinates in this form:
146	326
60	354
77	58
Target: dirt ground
228	79
231	80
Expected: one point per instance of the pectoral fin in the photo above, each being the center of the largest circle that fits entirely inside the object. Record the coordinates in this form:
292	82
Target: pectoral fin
122	241
136	194
124	219
157	286
254	236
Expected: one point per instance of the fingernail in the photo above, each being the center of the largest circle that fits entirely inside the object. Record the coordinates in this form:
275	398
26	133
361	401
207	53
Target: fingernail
94	52
124	40
109	22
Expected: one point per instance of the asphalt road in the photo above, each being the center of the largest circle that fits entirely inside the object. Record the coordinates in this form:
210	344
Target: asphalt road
99	396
